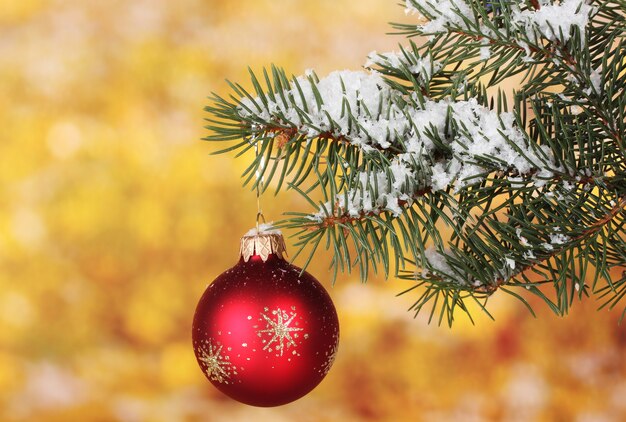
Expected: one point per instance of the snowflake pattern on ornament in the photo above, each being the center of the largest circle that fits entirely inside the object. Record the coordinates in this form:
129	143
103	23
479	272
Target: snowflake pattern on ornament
279	330
218	367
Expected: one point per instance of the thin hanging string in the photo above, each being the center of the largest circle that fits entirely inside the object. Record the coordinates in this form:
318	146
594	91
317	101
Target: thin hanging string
259	182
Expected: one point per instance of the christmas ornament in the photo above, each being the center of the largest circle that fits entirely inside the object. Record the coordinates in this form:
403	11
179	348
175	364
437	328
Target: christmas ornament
265	333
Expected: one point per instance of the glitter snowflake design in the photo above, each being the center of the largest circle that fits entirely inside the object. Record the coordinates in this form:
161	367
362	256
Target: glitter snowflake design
278	328
218	367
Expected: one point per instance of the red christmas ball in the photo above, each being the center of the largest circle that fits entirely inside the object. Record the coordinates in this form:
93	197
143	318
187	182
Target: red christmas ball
264	332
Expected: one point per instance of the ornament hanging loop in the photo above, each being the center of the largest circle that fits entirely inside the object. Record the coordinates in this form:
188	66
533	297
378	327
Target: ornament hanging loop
259	182
259	217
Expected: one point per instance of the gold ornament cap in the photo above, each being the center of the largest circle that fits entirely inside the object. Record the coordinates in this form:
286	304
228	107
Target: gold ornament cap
262	241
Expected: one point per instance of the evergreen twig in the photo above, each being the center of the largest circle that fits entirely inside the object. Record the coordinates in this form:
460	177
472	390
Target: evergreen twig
424	144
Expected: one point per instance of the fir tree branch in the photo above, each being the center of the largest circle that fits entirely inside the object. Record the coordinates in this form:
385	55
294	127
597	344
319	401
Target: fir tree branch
427	169
589	233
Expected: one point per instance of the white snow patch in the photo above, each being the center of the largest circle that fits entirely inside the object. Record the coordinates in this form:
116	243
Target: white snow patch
510	262
558	238
596	81
265	228
438	261
554	21
485	51
446	13
423	67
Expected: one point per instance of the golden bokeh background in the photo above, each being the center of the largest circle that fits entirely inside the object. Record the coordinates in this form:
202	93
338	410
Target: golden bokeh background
113	219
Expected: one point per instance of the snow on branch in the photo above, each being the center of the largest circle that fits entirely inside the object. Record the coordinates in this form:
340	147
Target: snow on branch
424	67
554	21
447	144
548	19
437	144
441	14
347	104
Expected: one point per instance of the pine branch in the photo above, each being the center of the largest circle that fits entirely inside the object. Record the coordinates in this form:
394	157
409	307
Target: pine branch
391	165
588	234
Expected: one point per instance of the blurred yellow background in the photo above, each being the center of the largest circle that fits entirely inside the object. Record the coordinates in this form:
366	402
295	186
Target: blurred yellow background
114	218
